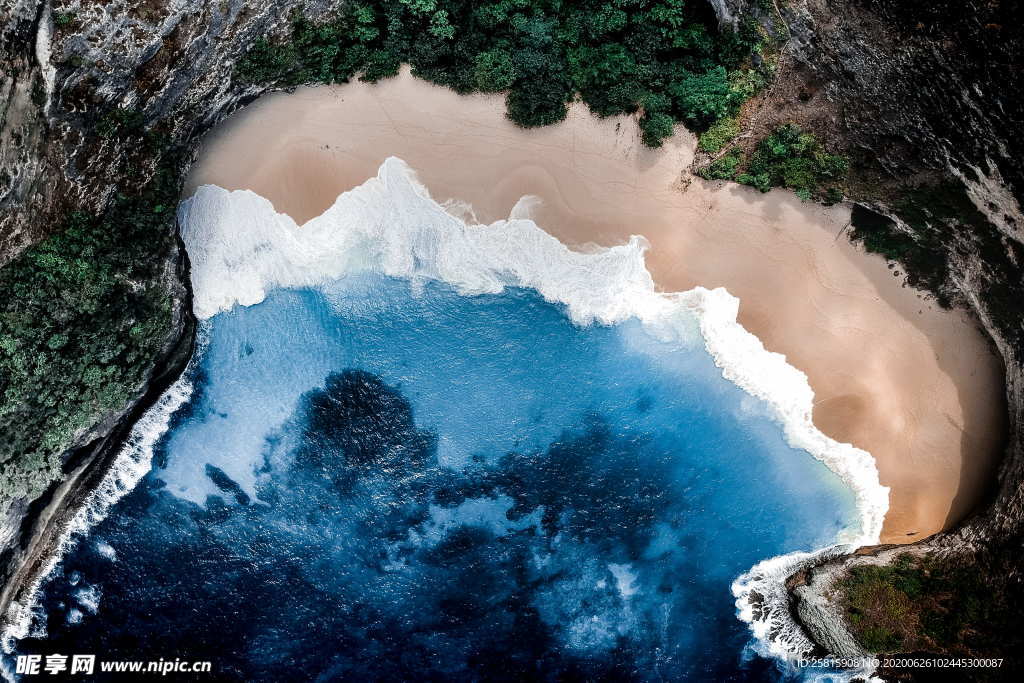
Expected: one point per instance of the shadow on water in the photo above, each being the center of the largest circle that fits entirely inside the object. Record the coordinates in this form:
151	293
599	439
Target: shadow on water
364	558
486	491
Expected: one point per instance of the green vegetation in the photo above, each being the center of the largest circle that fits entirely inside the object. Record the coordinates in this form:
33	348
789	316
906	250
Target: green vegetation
716	137
83	316
664	58
63	19
725	167
120	121
924	604
788	157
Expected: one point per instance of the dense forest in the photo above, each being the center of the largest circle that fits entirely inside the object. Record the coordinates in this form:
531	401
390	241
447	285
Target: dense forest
666	59
84	314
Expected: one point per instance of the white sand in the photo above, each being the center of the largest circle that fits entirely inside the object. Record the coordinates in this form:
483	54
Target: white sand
894	374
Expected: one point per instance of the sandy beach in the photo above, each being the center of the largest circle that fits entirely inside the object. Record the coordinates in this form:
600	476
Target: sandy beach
915	385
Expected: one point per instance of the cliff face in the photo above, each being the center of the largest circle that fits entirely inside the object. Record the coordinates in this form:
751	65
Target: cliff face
926	98
79	79
67	64
926	95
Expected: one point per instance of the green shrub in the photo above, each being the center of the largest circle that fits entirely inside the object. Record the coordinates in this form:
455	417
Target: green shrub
793	159
715	138
923	603
702	99
82	319
723	168
540	103
662	57
656	127
879	639
745	83
494	71
63	19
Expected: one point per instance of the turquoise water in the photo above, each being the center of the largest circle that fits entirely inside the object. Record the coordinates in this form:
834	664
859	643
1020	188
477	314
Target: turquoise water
379	481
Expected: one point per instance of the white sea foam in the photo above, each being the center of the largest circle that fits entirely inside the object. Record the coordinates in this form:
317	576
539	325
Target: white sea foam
241	249
390	225
88	598
106	550
129	466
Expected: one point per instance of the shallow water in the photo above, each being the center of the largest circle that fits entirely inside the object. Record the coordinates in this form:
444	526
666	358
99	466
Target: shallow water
380	479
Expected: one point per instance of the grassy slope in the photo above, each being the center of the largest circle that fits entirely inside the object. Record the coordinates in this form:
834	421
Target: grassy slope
931	604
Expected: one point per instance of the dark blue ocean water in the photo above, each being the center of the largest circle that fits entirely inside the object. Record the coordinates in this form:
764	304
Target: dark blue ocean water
381	482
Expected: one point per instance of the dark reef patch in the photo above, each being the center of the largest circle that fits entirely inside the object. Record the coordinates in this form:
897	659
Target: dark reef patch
357	543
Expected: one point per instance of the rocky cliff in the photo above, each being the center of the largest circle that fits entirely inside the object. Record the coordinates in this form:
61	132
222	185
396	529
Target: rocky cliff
926	98
99	98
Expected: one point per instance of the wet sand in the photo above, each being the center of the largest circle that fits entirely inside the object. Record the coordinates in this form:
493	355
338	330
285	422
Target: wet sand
916	386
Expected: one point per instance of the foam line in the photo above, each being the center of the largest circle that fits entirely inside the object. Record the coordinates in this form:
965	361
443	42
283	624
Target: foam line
241	249
130	465
390	225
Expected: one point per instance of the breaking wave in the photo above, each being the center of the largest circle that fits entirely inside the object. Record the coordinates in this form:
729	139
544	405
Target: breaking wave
130	465
391	226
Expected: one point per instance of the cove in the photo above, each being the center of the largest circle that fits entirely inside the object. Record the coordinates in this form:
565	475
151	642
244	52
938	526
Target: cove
372	482
385	477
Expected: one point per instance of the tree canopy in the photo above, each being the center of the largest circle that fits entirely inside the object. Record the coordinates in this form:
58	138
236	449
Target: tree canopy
665	59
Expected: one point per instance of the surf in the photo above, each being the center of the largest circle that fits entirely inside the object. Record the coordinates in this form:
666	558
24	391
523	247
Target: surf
242	251
360	233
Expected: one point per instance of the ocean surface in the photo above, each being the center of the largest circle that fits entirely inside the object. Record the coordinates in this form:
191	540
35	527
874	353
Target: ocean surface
385	473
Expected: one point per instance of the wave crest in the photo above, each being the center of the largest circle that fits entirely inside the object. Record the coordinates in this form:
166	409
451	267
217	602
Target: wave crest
391	225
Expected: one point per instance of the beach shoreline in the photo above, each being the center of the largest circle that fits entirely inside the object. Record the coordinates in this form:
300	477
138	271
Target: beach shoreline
916	386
